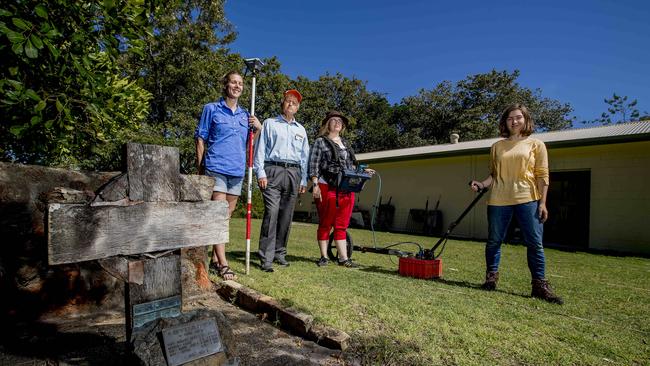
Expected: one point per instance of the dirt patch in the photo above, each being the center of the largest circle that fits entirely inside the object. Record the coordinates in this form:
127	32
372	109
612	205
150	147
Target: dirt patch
100	340
261	343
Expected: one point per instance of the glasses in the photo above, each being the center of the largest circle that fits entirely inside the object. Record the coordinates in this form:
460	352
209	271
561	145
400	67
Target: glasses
336	120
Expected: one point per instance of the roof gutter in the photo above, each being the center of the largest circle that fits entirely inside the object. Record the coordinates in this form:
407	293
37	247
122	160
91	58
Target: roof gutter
485	150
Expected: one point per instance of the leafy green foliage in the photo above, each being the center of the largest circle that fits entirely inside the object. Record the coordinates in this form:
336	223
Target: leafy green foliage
374	130
619	111
471	108
335	92
368	112
62	92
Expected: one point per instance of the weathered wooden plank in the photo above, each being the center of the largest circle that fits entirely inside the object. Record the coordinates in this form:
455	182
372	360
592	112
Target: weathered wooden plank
192	188
118	267
136	272
116	189
154	172
67	195
78	232
196	188
203	183
161	278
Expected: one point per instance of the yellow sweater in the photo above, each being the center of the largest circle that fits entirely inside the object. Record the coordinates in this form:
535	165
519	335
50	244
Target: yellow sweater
515	166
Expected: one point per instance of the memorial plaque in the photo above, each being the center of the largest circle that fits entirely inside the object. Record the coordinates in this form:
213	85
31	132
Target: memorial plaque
190	341
149	311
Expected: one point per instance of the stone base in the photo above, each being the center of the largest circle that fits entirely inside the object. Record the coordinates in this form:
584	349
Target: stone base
289	319
148	349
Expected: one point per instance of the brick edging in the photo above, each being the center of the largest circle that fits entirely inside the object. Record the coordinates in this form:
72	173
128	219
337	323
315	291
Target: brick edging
289	319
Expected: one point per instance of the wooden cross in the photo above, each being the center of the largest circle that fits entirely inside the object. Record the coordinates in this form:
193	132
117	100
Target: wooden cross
151	208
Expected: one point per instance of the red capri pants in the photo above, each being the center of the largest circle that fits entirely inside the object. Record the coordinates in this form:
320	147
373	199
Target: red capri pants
331	216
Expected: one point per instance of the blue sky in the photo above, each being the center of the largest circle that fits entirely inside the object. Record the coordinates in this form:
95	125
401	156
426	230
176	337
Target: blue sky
575	51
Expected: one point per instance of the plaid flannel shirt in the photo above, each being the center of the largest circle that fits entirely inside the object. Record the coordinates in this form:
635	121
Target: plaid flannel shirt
320	157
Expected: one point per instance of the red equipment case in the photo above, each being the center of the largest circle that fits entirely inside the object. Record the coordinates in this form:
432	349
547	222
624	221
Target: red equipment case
420	268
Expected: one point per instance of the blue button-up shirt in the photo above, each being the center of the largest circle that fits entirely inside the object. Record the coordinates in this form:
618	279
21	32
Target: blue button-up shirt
225	134
282	141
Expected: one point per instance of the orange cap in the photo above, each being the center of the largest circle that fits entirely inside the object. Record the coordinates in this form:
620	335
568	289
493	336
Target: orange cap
295	93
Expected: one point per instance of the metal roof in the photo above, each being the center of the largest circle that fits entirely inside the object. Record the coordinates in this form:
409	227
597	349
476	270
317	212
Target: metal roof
622	132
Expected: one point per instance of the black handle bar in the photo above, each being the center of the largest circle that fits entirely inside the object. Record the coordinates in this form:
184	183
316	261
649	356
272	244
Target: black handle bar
481	192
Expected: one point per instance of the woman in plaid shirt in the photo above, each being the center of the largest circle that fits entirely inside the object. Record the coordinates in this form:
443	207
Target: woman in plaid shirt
334	207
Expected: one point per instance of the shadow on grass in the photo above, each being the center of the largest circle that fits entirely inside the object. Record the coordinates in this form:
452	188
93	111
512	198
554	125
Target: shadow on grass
475	286
377	269
240	257
466	284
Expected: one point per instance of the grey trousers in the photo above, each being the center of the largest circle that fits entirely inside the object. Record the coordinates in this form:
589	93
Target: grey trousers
279	201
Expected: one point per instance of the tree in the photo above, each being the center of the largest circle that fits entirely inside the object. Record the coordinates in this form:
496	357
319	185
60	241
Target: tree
619	111
430	114
62	92
472	107
185	59
367	112
374	131
330	92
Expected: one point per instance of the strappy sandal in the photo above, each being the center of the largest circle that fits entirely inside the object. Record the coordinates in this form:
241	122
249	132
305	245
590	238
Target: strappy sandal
214	268
225	271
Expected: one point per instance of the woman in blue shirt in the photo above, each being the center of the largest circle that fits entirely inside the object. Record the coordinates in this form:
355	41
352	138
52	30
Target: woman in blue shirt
221	137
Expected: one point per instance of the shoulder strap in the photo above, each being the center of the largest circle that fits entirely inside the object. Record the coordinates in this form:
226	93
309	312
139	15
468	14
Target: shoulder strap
350	151
335	150
337	161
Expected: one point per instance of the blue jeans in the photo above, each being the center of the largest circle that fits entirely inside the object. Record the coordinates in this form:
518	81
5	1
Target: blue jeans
532	230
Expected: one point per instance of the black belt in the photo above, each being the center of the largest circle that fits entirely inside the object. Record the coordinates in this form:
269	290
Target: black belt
283	164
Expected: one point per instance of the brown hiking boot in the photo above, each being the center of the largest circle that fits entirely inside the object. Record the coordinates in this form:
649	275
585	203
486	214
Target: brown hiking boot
542	290
491	280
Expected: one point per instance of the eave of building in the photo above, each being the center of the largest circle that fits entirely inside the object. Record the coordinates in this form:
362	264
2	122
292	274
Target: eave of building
619	133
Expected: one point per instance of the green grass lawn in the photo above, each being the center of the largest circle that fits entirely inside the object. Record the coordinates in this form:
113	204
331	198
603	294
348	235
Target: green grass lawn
396	320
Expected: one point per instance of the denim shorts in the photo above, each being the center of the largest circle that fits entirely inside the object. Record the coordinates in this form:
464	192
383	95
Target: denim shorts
226	183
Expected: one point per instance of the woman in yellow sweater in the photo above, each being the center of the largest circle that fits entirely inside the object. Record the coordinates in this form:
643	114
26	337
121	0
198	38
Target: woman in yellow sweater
519	184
